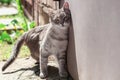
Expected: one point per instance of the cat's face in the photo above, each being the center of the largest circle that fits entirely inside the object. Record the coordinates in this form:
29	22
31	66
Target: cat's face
61	17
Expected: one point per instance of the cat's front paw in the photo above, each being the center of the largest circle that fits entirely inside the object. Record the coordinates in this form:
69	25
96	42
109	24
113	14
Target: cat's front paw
63	74
43	76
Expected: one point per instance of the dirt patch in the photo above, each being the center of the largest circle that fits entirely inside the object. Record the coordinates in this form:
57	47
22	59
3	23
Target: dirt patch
26	69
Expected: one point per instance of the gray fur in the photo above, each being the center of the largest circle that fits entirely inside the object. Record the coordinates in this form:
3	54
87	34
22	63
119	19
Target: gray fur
46	40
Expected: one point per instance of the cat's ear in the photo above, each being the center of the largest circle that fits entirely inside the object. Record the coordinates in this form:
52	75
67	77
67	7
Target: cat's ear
65	6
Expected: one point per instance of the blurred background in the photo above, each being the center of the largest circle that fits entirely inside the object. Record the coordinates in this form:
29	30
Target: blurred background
17	17
13	23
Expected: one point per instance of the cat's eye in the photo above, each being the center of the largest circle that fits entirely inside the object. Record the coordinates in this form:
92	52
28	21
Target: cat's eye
65	18
57	20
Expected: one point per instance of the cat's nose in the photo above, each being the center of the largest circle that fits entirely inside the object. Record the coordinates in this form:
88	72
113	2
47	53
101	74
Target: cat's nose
57	20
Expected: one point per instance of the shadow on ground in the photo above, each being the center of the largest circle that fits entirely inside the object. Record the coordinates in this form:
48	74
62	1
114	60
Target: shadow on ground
52	72
23	72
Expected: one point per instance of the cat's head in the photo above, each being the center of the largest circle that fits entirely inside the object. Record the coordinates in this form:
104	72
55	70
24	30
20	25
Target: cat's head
61	16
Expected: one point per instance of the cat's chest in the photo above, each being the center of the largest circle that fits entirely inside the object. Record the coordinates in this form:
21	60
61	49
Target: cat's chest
55	40
54	46
57	37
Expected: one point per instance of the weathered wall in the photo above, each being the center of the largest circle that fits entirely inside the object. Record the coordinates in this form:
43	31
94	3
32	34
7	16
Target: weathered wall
96	27
34	12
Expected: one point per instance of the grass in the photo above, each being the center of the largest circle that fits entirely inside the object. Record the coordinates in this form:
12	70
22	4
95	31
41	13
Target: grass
6	49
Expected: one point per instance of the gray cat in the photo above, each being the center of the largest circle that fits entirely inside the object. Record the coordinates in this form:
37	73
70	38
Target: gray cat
46	40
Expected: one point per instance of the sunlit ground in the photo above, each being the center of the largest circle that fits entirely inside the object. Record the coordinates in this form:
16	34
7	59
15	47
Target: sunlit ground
10	10
6	49
7	10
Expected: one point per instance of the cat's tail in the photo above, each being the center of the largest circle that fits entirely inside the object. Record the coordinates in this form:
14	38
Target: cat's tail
15	52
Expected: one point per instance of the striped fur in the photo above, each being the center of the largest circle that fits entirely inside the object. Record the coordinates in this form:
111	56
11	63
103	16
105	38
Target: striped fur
31	39
50	39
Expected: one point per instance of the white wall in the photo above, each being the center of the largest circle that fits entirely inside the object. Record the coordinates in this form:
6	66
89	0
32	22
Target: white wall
96	27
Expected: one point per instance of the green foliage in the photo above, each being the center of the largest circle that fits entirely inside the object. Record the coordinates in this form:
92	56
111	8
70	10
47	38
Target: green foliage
11	36
32	24
6	1
6	37
14	22
18	20
2	26
1	40
21	13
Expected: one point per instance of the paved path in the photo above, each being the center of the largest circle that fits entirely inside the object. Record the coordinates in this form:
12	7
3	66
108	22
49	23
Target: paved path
6	21
25	69
8	10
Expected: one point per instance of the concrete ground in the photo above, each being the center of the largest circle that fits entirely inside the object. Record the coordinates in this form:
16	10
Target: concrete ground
8	10
25	69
